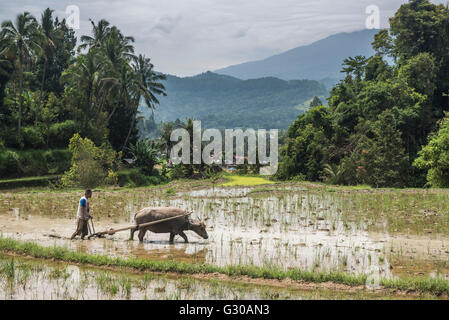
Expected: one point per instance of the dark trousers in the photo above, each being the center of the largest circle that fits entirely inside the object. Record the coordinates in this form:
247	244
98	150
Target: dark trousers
81	228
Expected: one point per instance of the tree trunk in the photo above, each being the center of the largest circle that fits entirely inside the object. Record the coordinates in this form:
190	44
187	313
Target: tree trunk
20	99
101	106
86	111
169	146
131	127
38	106
48	136
112	113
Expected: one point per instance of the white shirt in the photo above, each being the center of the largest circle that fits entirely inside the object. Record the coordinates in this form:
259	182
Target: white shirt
85	202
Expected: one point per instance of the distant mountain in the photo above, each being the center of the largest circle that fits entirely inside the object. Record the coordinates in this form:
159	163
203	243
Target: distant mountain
320	60
222	101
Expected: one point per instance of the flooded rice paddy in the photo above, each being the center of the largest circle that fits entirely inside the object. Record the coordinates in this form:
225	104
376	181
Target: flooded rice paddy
288	226
31	279
22	279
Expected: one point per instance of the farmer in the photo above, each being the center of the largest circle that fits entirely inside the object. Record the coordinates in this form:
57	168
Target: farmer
83	216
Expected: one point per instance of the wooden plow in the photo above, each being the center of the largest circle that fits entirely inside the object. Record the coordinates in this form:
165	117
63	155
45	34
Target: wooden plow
138	226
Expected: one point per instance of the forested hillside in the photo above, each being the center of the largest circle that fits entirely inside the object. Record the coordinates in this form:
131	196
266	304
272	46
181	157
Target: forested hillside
49	92
383	125
227	102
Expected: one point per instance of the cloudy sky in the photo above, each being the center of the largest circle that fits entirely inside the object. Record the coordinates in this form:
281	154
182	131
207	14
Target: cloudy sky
187	37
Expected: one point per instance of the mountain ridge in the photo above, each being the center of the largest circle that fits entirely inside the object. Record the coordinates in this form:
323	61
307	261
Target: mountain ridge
319	60
264	93
222	101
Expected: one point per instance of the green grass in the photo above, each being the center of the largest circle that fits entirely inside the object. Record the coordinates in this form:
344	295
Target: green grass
29	179
28	182
262	190
332	188
431	285
245	181
170	192
269	272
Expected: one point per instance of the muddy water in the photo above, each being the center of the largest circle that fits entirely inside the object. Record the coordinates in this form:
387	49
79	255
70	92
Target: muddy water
292	229
25	279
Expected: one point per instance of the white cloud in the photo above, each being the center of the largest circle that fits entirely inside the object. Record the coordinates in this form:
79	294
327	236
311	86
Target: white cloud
186	37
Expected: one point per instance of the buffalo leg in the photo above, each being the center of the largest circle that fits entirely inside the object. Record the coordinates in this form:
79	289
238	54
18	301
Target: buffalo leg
183	235
133	230
172	237
142	234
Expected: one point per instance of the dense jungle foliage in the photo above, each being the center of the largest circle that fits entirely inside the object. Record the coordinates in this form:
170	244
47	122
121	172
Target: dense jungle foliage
384	124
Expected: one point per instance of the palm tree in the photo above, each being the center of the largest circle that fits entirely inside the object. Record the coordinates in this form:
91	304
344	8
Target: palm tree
124	86
166	143
117	48
147	86
118	52
5	64
145	154
333	173
49	35
21	38
6	71
87	72
99	34
149	80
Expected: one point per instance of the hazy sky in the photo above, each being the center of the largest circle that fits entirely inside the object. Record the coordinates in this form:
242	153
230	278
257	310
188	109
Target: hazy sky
186	37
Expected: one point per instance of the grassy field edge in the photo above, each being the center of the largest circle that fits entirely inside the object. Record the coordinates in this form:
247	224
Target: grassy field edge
434	285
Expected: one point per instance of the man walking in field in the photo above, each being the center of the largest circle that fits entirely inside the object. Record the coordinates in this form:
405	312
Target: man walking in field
83	216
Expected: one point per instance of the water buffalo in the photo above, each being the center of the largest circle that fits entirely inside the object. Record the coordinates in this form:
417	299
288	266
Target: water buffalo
174	227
